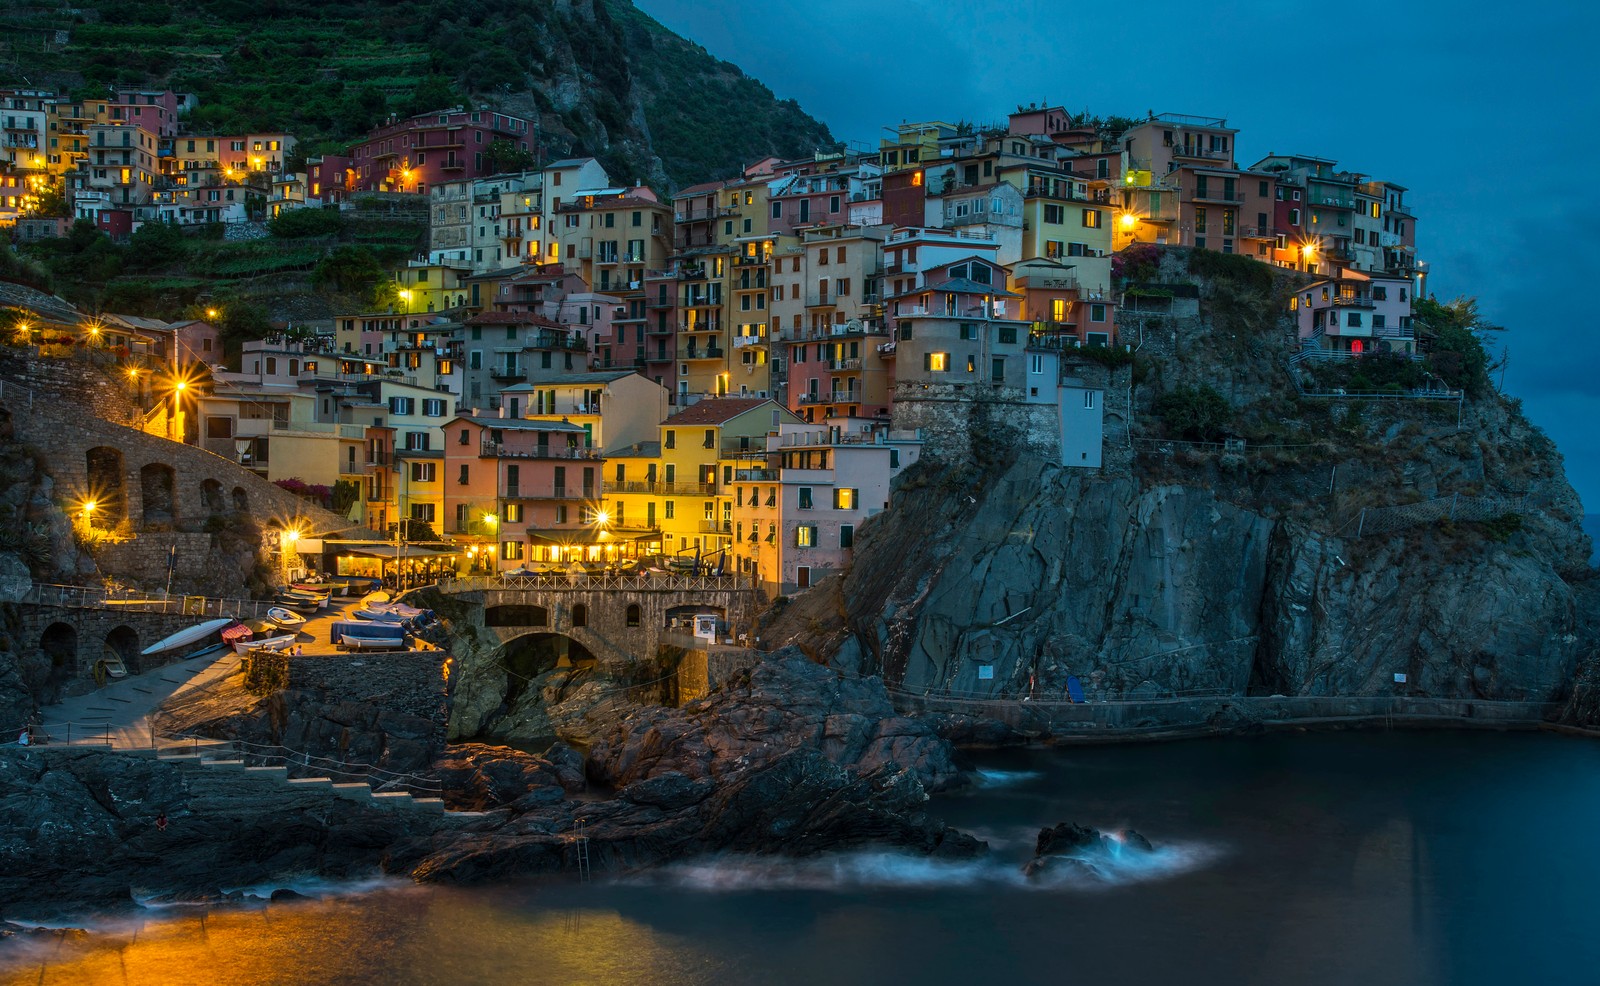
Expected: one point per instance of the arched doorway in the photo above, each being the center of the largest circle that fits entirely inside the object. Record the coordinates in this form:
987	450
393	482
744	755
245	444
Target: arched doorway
158	494
123	643
580	615
104	467
211	497
241	500
59	642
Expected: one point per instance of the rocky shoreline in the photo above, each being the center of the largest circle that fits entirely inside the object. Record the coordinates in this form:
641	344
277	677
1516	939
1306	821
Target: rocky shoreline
788	758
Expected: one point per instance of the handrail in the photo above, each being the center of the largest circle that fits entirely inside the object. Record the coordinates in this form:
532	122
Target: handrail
366	770
584	583
132	600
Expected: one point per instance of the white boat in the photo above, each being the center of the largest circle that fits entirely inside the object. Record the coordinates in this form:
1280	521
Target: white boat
286	618
279	642
374	598
303	600
183	638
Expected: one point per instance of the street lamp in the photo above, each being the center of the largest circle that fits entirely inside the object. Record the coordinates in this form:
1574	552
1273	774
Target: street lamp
405	296
88	513
211	313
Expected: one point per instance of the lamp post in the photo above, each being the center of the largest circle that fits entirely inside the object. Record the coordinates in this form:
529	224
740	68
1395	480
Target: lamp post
490	520
175	416
405	296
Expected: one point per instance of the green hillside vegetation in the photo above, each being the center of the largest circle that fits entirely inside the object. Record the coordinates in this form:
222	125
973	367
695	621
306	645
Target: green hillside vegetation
330	72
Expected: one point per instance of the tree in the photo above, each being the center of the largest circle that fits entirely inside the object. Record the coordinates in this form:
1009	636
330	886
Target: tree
1196	413
157	244
295	223
1453	336
504	157
433	93
350	270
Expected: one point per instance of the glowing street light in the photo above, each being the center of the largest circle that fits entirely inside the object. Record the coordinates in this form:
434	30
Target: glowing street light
405	296
211	313
1129	220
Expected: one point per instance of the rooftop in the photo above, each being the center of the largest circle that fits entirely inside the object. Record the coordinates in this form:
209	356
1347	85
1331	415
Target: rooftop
518	424
573	379
717	410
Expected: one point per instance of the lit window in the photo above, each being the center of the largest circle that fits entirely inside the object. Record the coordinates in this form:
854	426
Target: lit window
805	536
937	362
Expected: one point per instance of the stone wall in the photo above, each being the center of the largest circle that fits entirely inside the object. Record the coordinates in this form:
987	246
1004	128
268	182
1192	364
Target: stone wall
957	420
58	646
702	671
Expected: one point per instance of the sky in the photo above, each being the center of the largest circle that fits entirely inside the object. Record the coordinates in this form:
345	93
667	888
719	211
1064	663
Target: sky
1490	117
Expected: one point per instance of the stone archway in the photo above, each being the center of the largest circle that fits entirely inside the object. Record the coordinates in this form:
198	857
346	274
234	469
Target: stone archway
123	643
59	642
106	480
241	500
211	496
158	494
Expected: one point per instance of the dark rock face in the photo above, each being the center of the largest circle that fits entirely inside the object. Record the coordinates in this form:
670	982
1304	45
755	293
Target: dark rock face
1067	844
478	778
79	826
784	704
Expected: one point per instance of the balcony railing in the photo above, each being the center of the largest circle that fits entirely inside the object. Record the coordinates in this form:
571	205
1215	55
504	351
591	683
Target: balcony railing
493	450
1219	195
711	325
690	352
716	527
508	373
618	363
1202	153
659	488
518	491
844	365
740	342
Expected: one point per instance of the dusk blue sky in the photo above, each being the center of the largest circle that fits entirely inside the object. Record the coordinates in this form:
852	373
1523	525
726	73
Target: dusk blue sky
1488	114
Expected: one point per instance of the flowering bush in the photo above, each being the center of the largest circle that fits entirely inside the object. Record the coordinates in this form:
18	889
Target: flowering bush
1137	262
315	492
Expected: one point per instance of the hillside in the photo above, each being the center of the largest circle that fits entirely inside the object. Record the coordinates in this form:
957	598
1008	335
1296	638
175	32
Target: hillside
601	77
1335	544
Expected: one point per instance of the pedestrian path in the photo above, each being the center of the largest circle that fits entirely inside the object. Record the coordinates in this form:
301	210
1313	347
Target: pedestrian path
118	715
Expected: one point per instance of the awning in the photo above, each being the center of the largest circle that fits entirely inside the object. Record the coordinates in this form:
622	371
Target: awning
591	538
411	552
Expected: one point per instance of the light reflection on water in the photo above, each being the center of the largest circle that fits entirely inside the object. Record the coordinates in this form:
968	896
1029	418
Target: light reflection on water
1319	859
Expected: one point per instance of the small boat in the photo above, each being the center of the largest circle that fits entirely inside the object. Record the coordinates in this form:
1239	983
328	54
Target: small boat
319	588
183	638
111	664
375	598
279	642
368	636
317	600
287	619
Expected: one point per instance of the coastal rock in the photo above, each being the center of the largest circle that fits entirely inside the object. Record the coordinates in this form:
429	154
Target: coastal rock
476	777
1067	845
786	703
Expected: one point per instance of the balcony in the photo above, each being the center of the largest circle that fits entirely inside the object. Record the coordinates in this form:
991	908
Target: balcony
619	363
744	260
1258	233
708	300
704	325
1198	153
692	353
820	299
557	340
716	527
659	488
492	450
741	342
507	374
1219	195
519	491
756	476
1330	201
844	365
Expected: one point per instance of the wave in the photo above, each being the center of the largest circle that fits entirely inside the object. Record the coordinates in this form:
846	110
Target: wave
1004	778
889	871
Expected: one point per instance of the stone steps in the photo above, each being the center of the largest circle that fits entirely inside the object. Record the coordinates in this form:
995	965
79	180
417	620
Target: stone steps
216	755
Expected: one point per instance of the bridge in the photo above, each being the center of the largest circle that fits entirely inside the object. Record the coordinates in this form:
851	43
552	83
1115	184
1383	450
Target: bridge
613	620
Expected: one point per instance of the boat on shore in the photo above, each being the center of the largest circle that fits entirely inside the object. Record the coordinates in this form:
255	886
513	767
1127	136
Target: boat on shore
368	636
286	618
280	642
183	638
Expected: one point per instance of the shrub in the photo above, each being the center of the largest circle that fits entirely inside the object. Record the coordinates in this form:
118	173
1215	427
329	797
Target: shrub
1195	413
1243	271
297	223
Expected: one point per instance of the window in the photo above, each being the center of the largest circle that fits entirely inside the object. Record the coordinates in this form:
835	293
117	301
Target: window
422	512
433	408
632	615
1294	217
1097	313
1088	399
805	498
580	615
936	362
668	511
847	536
1007	333
513	513
398	405
462	479
1354	318
805	536
422	472
845	498
272	364
671	440
1380	293
511	550
1091	218
1055	214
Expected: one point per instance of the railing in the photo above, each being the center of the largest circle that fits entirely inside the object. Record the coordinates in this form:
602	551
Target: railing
693	353
578	582
134	601
713	325
716	527
1219	195
1180	150
664	489
740	342
499	451
516	491
844	365
275	755
755	476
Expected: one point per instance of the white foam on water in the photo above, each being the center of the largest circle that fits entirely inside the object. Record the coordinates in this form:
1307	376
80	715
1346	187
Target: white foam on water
1004	778
890	871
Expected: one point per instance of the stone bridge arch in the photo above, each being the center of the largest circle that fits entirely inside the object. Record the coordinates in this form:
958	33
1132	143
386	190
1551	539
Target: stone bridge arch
59	643
122	642
212	498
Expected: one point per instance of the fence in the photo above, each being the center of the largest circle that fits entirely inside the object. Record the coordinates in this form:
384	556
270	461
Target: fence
1197	711
1387	520
555	582
300	762
133	601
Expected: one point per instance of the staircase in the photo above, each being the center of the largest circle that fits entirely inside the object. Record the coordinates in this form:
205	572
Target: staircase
218	755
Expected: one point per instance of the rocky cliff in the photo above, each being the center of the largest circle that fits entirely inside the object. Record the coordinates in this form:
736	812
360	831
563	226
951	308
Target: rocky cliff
1185	568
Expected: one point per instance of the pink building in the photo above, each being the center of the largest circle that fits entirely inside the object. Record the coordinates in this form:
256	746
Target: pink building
1356	313
528	488
414	154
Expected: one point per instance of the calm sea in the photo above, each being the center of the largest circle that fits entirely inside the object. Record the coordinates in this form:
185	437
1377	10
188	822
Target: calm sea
1367	858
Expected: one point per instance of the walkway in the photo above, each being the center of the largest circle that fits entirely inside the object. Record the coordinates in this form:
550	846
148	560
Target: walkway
118	715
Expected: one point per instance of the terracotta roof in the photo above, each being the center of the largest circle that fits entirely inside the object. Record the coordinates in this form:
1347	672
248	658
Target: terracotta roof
717	410
702	188
518	424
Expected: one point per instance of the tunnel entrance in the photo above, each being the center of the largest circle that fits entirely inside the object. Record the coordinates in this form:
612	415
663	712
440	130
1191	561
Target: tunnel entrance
526	658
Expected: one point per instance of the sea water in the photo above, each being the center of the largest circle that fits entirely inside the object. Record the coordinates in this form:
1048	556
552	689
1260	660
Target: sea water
1293	858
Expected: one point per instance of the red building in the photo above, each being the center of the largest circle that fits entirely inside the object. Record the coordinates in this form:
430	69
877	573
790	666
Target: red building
414	154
